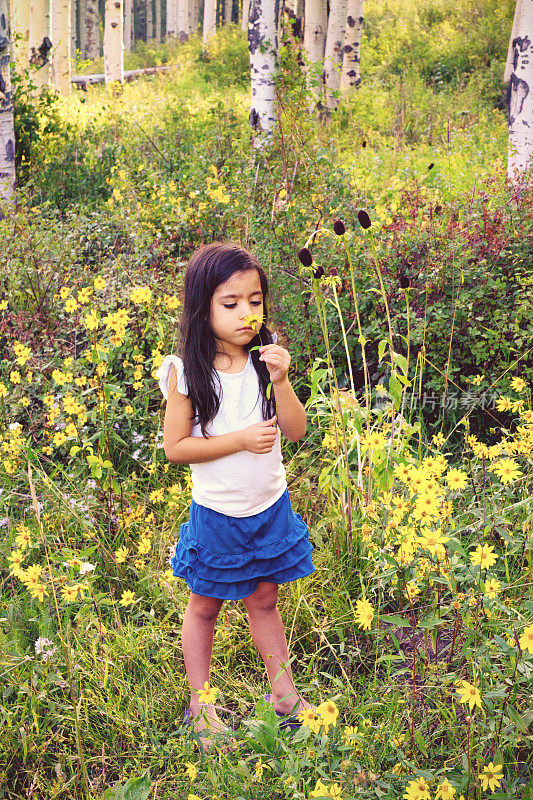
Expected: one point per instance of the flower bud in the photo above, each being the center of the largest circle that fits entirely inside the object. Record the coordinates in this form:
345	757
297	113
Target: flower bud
339	227
319	271
431	166
364	219
305	257
404	281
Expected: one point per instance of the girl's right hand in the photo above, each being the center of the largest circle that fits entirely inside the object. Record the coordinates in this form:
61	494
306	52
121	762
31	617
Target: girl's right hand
260	437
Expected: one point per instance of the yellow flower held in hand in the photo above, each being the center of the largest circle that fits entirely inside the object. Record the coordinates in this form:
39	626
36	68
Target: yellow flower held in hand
254	321
492	776
470	694
208	694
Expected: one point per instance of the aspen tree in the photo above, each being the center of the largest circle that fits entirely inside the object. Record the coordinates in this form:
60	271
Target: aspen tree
7	133
61	67
172	18
315	28
157	21
263	46
183	20
21	26
334	51
245	14
82	15
40	42
128	24
228	8
113	42
92	29
73	30
210	22
520	95
194	16
149	20
350	78
510	51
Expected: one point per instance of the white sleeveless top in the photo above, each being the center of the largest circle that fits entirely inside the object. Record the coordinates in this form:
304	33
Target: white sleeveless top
242	483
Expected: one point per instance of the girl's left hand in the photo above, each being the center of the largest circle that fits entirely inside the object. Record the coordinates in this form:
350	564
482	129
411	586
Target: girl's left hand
277	360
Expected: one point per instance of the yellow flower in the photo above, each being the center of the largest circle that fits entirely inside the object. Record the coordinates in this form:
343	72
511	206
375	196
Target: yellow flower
208	694
328	712
64	292
14	376
518	384
526	640
411	590
141	294
417	790
456	479
99	283
506	469
259	767
38	591
492	587
3	390
477	379
445	790
70	593
127	598
310	718
144	546
439	439
23	538
191	770
121	555
16	557
484	556
254	321
71	304
91	320
470	694
373	441
492	776
321	790
364	614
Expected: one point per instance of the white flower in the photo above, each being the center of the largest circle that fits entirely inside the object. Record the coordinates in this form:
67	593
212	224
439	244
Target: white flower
86	567
45	647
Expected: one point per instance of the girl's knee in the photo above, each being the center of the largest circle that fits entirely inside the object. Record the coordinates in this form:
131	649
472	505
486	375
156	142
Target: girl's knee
264	599
207	608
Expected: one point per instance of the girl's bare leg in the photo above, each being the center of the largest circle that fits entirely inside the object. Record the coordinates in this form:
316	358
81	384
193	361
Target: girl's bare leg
197	643
268	633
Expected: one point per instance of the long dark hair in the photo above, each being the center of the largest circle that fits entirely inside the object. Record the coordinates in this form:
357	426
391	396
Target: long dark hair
208	267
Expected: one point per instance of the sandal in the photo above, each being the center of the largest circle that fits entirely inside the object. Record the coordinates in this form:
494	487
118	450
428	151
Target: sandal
292	722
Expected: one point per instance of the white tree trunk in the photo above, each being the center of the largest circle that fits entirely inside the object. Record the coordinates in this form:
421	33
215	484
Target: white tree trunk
92	29
82	17
228	5
73	30
194	16
245	14
520	96
315	27
334	51
157	29
128	22
7	133
350	78
172	18
210	21
61	22
40	42
21	25
149	21
113	42
183	20
509	62
263	46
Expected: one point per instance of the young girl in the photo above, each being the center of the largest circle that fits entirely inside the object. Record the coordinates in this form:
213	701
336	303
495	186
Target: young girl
242	538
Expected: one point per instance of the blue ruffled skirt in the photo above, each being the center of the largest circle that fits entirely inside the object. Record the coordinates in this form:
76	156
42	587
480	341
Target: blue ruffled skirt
226	557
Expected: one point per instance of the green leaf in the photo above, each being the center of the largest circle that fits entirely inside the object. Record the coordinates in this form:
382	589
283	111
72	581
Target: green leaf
394	619
402	361
134	789
381	349
431	623
516	718
74	450
269	390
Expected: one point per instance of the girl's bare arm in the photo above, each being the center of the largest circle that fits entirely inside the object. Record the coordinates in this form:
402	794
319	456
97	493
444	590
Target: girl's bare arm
182	448
292	417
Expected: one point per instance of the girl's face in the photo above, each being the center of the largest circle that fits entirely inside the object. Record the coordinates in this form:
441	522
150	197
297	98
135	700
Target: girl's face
232	301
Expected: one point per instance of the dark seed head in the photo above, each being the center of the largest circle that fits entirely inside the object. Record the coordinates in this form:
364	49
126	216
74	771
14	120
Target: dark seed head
364	219
404	281
318	272
431	166
438	209
305	257
338	227
363	144
332	271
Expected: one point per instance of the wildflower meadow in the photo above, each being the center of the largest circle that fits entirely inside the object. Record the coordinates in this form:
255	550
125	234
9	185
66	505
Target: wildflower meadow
400	263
